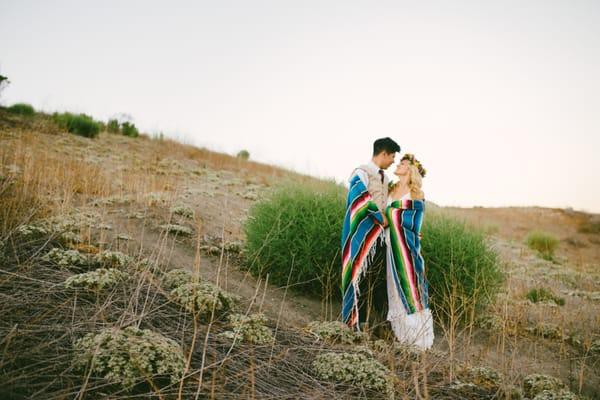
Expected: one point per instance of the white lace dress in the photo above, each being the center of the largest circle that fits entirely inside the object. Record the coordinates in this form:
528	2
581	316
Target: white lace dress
412	329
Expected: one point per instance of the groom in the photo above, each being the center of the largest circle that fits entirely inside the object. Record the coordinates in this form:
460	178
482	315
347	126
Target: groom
363	244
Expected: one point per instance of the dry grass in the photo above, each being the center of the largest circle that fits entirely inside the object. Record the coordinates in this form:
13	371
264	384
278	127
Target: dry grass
41	319
48	172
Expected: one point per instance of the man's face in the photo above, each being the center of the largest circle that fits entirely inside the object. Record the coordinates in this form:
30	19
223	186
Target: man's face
388	159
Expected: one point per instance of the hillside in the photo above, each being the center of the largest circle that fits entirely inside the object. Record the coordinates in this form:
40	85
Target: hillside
184	207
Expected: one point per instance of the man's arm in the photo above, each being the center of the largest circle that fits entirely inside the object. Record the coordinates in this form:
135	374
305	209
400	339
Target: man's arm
364	177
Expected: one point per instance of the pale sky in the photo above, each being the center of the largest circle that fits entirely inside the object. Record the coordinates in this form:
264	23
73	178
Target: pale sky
500	100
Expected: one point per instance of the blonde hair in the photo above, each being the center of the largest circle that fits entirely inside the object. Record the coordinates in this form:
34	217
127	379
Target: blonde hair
416	172
415	182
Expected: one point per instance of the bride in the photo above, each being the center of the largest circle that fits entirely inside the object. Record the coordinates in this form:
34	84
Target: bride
408	313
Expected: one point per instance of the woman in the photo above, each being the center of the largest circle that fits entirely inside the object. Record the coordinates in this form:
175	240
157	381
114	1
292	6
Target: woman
408	313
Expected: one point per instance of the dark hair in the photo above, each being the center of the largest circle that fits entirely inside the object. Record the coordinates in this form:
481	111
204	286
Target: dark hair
385	144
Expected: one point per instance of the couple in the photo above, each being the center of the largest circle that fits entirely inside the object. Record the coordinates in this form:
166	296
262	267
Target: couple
381	249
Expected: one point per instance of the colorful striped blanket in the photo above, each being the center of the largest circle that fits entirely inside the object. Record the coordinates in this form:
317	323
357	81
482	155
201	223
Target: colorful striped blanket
405	218
362	227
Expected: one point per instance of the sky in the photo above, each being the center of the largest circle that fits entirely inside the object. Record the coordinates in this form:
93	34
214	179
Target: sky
499	100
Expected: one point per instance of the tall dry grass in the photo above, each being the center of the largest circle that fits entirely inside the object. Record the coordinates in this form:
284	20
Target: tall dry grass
36	182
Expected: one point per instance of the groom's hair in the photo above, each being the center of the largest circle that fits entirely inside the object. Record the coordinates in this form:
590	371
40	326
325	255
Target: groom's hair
385	144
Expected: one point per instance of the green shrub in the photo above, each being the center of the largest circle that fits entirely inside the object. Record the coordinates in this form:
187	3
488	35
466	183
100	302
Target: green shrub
129	129
113	126
462	270
22	109
81	124
243	155
295	233
536	295
543	243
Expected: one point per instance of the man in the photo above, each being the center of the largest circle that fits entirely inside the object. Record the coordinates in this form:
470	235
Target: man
363	244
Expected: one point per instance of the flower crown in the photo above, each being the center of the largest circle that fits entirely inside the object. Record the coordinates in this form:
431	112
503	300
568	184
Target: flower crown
411	159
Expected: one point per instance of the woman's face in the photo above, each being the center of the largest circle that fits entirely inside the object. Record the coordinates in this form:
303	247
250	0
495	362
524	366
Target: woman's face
402	168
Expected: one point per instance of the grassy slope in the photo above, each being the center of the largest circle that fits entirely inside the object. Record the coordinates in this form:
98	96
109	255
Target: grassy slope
131	184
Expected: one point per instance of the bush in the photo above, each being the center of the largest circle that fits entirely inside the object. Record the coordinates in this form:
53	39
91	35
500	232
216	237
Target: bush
334	332
243	155
356	369
183	210
543	243
129	129
31	232
591	226
536	295
22	109
96	280
112	259
203	298
177	230
130	355
177	277
113	126
81	124
249	329
295	233
65	258
537	383
463	272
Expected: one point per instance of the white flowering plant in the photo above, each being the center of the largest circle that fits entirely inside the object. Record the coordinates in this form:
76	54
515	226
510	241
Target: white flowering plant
202	298
31	232
176	277
356	369
335	332
65	258
249	329
130	355
546	387
175	229
112	259
96	280
183	210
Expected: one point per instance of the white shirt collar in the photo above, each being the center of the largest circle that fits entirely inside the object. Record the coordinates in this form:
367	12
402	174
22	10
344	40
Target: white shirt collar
373	167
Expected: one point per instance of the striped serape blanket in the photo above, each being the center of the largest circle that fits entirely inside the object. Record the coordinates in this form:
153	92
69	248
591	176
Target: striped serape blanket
405	218
362	228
